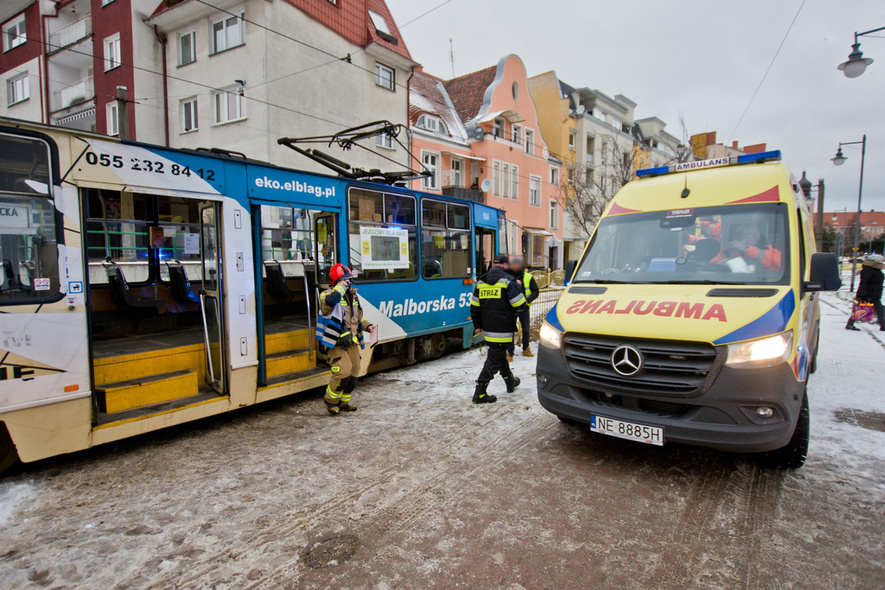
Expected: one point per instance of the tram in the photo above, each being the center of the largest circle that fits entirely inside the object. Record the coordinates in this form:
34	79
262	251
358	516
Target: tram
144	287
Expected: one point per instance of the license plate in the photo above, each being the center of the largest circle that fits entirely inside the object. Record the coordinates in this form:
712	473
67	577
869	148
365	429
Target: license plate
651	435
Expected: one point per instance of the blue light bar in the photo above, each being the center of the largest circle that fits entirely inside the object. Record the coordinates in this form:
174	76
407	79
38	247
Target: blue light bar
712	163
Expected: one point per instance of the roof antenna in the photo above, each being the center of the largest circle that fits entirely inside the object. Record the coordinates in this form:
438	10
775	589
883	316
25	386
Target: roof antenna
685	191
452	56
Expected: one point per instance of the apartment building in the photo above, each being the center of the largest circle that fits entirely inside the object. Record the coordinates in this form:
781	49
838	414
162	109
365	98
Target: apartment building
657	147
63	61
704	147
480	130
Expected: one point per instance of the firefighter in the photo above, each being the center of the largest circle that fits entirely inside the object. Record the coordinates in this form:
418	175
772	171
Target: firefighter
529	287
340	328
496	298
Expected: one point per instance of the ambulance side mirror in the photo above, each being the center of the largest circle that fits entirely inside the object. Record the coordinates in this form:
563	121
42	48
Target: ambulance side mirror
569	271
825	275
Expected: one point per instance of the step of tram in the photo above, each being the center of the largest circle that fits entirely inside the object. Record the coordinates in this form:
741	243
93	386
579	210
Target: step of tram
288	361
284	341
124	367
132	393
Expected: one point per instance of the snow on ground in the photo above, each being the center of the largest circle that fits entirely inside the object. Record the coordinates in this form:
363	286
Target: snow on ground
11	498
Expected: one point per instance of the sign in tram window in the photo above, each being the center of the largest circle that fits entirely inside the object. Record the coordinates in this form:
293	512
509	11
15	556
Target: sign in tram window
28	233
445	240
383	235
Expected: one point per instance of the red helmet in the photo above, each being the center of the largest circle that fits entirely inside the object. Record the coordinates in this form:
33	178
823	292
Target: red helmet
339	272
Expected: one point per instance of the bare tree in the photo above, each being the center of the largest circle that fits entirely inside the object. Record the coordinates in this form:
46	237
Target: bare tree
585	191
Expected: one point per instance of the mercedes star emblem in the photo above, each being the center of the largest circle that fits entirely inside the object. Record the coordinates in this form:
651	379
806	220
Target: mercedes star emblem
627	361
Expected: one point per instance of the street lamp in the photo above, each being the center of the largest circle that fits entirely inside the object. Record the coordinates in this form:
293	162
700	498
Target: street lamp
857	63
838	161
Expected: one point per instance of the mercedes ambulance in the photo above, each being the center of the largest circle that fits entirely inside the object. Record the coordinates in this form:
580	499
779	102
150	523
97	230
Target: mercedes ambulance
693	313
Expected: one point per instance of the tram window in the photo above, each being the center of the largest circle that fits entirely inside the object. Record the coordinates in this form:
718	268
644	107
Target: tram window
445	240
117	227
287	235
24	166
383	235
180	220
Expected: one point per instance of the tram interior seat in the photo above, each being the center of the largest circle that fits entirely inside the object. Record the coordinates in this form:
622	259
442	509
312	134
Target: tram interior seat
276	280
181	285
120	293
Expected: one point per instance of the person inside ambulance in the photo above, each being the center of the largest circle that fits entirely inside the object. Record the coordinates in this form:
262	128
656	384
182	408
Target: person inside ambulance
340	328
747	243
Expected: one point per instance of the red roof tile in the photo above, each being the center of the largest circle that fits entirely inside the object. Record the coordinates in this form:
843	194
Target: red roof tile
426	96
467	91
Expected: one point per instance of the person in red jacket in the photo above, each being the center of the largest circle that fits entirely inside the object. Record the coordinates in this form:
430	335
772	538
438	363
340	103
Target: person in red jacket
748	243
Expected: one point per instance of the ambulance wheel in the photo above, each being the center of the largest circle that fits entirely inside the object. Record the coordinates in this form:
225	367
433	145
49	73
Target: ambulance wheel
793	455
8	454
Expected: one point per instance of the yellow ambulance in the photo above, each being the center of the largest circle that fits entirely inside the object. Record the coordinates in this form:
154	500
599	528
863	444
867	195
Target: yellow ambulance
693	313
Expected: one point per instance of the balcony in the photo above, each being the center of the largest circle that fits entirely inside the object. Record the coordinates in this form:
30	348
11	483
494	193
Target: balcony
73	94
70	34
453	186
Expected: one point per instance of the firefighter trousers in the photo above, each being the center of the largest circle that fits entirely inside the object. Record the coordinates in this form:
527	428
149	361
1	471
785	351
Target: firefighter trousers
496	362
345	368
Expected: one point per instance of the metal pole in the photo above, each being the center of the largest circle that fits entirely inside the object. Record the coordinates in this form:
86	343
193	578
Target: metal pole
820	215
863	153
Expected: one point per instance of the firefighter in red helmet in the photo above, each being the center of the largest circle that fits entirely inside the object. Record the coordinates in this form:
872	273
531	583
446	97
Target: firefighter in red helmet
340	328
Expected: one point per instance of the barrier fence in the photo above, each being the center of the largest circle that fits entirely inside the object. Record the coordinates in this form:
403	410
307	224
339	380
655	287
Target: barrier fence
542	306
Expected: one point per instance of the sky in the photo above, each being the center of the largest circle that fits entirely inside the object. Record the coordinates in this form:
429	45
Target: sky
699	59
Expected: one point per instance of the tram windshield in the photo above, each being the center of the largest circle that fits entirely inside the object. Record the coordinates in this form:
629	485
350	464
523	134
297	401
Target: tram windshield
28	242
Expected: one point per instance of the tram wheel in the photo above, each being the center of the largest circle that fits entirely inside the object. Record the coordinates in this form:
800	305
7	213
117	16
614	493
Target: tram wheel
8	454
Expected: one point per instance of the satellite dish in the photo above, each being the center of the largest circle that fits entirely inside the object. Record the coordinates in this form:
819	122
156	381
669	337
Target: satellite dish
581	109
486	185
478	133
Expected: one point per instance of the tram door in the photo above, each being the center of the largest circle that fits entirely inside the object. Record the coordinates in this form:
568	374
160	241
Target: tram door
486	241
326	254
210	296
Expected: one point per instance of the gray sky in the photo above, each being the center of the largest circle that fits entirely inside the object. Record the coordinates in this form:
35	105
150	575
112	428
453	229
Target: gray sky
700	58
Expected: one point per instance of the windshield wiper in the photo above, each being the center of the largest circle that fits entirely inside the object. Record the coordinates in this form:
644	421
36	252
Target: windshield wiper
696	282
604	282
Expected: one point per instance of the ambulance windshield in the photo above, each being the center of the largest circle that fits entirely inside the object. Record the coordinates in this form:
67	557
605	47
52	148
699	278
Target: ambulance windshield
729	245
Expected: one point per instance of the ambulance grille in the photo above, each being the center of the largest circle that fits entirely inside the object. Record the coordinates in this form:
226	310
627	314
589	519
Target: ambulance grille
669	366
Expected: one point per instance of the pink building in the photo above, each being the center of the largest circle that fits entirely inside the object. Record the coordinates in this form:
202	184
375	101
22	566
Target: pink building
480	137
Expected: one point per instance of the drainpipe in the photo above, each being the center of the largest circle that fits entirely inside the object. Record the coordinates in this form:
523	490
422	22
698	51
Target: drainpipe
162	39
408	125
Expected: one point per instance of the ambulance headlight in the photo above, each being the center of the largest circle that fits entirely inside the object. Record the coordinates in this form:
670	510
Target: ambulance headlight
550	336
764	352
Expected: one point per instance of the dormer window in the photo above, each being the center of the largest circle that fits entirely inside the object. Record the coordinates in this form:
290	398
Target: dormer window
431	123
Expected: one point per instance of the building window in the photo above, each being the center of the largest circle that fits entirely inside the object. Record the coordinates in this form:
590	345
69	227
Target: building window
189	118
516	133
384	140
535	191
554	177
106	2
572	139
456	177
17	89
384	76
571	175
112	52
112	118
498	129
604	153
431	163
14	33
554	215
379	23
228	33
530	142
187	52
431	123
514	184
228	104
496	178
506	192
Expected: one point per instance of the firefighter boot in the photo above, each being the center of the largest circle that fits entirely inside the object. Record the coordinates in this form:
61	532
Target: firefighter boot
332	400
345	405
481	395
512	382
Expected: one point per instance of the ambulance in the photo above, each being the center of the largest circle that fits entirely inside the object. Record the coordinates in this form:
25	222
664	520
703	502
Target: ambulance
693	314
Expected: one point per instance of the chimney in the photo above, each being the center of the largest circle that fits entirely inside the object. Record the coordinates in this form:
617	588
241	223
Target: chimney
734	144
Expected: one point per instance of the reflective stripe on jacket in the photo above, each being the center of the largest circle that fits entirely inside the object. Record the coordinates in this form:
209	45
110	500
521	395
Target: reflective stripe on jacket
531	287
339	317
495	299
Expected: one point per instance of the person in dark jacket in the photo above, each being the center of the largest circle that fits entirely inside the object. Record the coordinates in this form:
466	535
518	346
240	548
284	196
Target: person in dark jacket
529	287
496	297
870	288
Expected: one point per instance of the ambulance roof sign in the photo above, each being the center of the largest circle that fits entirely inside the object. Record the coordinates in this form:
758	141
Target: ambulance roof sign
773	155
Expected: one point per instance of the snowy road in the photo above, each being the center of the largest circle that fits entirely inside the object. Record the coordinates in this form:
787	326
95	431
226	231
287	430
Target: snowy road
422	489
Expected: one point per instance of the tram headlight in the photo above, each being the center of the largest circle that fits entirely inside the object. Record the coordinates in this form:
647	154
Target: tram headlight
764	352
550	336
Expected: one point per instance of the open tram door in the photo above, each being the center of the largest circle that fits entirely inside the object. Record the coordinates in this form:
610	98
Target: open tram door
211	298
295	247
486	244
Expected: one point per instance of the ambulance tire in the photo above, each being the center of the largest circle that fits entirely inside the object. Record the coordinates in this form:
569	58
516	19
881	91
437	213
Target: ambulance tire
8	454
793	455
